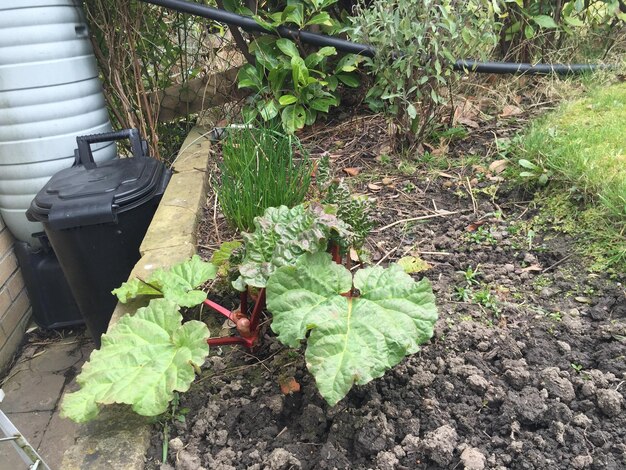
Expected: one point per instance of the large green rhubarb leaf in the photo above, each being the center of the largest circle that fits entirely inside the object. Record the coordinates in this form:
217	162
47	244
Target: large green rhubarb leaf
177	283
352	340
143	360
281	236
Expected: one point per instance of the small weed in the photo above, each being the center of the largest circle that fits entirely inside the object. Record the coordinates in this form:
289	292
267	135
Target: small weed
471	275
555	316
409	187
577	367
530	235
450	134
542	281
534	172
407	168
174	413
481	236
463	294
485	298
384	159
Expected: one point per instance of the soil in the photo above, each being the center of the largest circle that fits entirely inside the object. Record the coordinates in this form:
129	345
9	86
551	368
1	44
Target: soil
526	369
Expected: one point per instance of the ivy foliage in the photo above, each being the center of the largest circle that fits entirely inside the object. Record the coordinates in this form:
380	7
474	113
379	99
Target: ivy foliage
350	339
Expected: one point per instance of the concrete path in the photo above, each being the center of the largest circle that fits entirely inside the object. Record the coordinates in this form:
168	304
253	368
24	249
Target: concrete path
33	388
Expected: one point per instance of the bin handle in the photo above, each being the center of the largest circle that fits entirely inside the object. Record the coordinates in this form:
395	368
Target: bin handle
84	156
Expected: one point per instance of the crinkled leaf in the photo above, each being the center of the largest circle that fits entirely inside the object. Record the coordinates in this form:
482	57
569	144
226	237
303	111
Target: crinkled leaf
281	236
176	283
351	340
143	360
221	257
134	288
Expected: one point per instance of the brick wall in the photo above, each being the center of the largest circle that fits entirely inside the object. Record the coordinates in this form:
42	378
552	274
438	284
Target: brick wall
14	304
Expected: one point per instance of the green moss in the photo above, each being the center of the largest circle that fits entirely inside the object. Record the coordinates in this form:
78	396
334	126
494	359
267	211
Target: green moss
596	236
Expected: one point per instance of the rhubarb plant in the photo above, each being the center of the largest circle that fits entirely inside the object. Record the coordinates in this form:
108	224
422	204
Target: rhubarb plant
355	328
281	236
144	359
177	283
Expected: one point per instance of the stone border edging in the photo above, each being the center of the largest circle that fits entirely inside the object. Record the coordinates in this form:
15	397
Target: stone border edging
118	438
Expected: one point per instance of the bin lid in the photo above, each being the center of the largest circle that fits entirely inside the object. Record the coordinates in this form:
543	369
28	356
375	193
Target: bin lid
80	196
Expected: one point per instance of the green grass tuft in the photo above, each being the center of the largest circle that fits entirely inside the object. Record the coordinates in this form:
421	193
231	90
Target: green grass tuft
261	168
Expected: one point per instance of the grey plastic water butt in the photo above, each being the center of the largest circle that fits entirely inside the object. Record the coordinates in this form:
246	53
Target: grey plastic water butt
49	93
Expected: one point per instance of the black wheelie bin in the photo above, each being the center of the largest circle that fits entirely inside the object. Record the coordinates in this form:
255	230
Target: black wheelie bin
95	217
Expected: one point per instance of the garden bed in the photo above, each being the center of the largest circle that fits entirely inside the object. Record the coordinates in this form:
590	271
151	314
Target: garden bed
527	366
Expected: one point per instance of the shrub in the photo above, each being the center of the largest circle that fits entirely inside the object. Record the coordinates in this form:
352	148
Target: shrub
291	82
417	41
535	30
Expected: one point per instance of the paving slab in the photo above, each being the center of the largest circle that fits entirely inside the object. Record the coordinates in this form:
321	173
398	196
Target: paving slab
117	439
57	358
31	390
60	434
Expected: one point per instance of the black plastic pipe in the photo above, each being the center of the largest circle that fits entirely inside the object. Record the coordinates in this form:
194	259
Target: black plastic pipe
249	24
532	69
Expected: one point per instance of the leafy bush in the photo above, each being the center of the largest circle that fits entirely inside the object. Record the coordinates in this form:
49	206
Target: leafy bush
260	169
535	30
417	41
291	83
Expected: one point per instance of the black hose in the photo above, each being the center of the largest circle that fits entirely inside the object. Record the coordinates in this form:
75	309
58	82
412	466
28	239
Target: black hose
532	69
249	24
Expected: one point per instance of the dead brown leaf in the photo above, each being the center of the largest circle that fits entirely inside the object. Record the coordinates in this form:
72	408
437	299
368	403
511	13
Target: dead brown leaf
288	385
532	267
498	166
374	187
511	110
474	226
352	171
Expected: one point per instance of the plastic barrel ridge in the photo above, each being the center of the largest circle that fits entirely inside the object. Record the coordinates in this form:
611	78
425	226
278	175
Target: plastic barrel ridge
49	94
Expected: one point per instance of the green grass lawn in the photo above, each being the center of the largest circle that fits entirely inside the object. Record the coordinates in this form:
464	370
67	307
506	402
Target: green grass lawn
584	145
581	148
